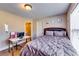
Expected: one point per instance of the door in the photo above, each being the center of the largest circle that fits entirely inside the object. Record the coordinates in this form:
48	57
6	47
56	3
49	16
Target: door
28	28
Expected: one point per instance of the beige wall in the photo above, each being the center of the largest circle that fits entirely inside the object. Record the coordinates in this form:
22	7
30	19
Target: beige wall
34	29
14	22
55	21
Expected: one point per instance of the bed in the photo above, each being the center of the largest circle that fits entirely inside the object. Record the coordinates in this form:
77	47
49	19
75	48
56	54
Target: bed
55	44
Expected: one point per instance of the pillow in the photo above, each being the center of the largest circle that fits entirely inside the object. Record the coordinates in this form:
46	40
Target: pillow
49	33
20	35
13	34
60	33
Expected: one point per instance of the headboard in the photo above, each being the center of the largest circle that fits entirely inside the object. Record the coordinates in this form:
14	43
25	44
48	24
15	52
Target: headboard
55	29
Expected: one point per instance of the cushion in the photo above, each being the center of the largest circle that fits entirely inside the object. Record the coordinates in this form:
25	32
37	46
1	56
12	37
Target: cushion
20	35
60	33
13	35
49	33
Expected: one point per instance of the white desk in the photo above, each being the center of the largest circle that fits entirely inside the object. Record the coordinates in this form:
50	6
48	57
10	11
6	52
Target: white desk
14	42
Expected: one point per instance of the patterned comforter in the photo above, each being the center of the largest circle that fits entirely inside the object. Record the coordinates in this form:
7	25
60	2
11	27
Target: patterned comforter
49	46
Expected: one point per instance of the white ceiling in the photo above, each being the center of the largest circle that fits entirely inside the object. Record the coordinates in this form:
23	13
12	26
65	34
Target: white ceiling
38	9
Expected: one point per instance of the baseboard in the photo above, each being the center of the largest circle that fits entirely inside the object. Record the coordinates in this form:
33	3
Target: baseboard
4	48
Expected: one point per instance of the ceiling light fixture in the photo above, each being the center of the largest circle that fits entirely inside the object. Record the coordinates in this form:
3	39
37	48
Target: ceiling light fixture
28	7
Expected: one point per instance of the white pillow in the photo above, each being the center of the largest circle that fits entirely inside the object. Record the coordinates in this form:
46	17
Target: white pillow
49	33
59	33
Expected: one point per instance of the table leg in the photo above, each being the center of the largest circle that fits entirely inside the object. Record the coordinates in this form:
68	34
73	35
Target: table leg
9	46
30	39
16	46
26	40
12	49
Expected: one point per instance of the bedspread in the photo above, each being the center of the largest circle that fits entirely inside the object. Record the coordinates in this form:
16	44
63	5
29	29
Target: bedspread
49	46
